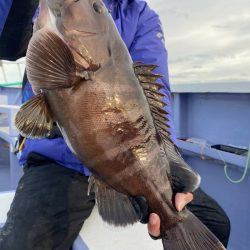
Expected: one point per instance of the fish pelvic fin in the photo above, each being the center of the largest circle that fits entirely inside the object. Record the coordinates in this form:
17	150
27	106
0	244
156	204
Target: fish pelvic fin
114	207
34	119
190	234
50	63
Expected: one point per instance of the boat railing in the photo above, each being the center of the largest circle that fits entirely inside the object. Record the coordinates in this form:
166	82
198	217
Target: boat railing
11	72
9	133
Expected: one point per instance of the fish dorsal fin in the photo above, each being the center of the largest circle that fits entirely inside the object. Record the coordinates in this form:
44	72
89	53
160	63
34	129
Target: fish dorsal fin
152	89
50	63
184	179
34	120
114	207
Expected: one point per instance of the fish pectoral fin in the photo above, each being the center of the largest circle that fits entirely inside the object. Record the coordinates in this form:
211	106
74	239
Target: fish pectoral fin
34	120
50	63
183	179
114	207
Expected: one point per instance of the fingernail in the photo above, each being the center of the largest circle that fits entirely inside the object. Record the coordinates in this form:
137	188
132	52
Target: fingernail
180	205
153	219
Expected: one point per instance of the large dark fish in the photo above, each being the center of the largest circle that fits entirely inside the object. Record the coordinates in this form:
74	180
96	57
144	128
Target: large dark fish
110	112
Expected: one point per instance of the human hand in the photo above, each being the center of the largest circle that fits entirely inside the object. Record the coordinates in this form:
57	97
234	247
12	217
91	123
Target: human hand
181	200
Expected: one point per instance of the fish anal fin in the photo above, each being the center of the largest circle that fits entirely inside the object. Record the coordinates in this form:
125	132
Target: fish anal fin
115	208
34	120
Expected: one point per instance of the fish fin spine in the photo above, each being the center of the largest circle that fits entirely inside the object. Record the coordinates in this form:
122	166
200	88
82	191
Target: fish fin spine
151	88
184	179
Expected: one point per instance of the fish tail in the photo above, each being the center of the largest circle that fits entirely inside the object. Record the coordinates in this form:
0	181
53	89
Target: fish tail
190	234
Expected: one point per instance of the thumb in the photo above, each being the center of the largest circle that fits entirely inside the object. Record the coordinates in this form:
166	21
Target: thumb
182	199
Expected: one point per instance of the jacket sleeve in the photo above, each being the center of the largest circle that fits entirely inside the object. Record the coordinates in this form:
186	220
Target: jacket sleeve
15	27
149	47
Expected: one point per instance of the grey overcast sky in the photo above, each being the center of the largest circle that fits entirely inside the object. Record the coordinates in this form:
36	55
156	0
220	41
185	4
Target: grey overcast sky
207	41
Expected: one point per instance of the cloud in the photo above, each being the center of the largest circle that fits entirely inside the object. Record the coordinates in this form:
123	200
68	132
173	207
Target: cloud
207	41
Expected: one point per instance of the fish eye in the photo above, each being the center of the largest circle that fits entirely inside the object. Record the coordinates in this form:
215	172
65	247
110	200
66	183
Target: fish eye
98	7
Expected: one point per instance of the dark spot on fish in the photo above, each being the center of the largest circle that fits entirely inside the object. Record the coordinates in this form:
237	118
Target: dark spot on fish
158	138
126	157
148	138
109	51
98	7
75	87
141	118
142	124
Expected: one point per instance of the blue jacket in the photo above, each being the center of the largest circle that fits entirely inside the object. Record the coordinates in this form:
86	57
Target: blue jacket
140	28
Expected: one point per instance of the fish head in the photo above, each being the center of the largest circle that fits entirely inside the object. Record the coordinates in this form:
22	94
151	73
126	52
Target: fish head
87	28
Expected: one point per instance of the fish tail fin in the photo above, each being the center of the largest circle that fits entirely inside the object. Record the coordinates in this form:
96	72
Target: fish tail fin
191	234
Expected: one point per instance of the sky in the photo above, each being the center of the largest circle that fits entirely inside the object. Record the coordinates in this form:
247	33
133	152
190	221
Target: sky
207	41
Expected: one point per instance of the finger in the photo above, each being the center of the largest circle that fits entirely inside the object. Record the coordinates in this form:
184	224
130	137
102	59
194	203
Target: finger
141	207
154	225
182	199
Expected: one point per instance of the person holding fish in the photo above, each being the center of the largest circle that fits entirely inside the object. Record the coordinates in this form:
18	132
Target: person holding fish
89	103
